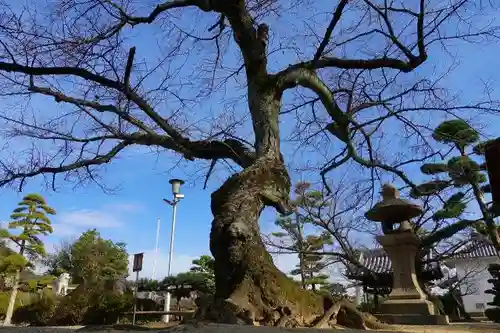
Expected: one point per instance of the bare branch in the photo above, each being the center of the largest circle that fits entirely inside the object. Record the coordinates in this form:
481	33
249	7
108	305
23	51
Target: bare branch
328	34
9	176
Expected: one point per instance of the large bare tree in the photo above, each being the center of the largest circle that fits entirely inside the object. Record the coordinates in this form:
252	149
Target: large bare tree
343	70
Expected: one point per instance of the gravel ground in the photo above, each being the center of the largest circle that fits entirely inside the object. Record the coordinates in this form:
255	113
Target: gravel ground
209	328
47	329
217	328
482	327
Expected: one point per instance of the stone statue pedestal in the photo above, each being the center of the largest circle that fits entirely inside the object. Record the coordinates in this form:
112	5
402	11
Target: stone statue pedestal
407	302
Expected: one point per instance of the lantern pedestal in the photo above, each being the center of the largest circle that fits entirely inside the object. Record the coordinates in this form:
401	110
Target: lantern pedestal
407	303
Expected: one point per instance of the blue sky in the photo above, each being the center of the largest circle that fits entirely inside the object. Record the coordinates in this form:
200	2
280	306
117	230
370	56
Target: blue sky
130	213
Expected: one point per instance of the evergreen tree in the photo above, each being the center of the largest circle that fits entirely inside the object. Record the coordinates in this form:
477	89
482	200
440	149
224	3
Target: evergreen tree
204	264
60	261
200	277
90	258
94	259
10	261
464	176
31	218
204	270
146	284
310	266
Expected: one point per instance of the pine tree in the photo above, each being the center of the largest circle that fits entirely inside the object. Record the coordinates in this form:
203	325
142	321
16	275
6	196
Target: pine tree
310	266
464	175
313	264
31	218
10	261
204	264
204	268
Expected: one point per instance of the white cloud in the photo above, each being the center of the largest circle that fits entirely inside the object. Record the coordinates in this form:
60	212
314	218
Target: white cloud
124	207
72	222
89	218
64	230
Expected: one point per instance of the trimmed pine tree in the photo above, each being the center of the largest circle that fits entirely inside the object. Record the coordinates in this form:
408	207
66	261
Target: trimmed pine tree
31	219
462	175
310	266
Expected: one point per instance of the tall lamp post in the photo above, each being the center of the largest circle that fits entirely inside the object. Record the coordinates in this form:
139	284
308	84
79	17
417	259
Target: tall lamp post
177	196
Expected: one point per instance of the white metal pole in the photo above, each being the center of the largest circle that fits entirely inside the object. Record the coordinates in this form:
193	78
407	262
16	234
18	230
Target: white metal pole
135	296
153	276
170	256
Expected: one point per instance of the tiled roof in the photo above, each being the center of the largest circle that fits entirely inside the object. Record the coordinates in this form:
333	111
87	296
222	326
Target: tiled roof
377	261
478	247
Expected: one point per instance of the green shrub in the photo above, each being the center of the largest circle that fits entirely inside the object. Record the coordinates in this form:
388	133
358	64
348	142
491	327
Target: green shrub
71	310
38	313
83	306
4	302
22	299
91	305
107	311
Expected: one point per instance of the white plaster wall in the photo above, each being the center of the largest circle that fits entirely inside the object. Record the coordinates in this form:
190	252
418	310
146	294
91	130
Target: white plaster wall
473	276
358	294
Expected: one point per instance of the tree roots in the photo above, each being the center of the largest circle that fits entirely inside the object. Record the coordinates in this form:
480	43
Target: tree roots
340	314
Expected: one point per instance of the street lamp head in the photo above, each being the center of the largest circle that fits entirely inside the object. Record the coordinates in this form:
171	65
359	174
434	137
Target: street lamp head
176	185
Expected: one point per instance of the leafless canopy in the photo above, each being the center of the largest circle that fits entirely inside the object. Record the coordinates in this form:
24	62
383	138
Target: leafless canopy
181	75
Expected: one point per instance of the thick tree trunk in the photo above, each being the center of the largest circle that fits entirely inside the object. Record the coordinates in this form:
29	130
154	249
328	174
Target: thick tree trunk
249	287
301	253
247	282
493	163
492	156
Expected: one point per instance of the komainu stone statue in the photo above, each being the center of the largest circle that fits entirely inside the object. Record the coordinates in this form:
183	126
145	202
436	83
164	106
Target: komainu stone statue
60	285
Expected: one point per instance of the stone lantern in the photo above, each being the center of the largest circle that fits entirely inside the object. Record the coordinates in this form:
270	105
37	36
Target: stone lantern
407	303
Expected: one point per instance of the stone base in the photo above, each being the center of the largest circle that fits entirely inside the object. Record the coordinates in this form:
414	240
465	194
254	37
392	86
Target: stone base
420	307
413	319
410	312
479	314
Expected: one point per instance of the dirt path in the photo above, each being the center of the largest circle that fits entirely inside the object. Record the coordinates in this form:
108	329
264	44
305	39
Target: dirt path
452	328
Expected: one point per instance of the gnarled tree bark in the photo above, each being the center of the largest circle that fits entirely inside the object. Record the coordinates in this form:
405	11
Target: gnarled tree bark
247	282
249	287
